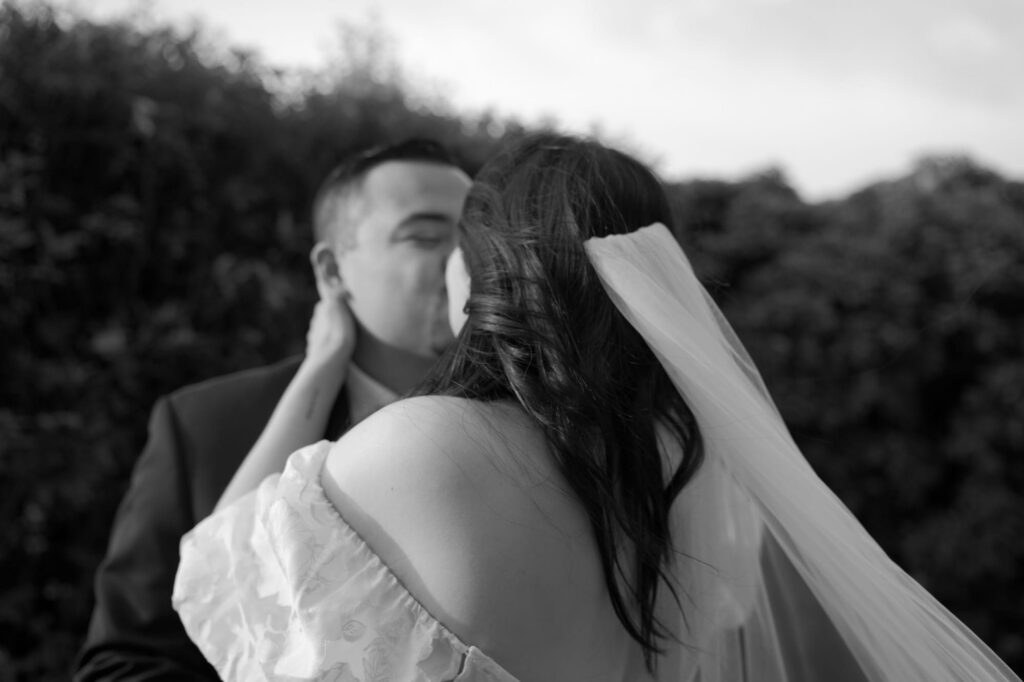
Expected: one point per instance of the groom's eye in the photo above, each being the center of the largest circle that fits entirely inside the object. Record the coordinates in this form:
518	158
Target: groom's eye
426	234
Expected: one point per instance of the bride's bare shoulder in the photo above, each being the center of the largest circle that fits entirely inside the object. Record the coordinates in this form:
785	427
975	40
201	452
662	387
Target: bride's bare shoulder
442	431
460	499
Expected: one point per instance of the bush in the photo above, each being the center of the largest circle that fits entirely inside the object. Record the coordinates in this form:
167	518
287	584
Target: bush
154	195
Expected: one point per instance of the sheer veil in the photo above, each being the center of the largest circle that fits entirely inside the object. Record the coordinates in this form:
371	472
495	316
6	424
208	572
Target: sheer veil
779	581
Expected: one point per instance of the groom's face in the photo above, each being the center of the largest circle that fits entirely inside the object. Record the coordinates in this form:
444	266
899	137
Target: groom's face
401	228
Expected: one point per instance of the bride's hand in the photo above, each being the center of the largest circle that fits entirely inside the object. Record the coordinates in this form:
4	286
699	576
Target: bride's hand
332	332
302	413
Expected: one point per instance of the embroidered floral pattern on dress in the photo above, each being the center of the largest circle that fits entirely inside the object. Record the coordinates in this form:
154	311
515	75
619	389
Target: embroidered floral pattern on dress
278	587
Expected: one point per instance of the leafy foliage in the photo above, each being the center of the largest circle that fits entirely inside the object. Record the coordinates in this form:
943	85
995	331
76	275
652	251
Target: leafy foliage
154	194
891	335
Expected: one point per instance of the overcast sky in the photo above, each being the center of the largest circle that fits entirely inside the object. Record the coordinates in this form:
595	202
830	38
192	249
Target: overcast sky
835	92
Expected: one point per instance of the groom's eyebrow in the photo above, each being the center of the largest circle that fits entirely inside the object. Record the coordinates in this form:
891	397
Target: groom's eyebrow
425	217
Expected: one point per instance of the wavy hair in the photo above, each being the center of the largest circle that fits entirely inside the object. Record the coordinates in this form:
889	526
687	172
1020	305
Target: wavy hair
542	331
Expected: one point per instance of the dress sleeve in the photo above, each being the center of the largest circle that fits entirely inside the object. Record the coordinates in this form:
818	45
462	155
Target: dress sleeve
278	586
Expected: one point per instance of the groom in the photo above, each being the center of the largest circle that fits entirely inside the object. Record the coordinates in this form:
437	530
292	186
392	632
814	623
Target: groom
384	221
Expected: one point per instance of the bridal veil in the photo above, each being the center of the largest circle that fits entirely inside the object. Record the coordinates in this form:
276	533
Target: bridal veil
778	581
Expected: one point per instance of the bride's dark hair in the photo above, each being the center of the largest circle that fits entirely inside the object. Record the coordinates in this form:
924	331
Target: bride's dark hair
541	331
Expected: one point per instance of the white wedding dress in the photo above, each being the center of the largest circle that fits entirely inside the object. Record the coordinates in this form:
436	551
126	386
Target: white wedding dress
278	587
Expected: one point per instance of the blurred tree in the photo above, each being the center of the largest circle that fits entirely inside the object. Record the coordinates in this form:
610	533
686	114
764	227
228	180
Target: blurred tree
730	229
891	336
154	200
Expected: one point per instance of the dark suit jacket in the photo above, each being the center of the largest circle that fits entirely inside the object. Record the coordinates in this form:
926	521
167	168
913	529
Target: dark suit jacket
197	438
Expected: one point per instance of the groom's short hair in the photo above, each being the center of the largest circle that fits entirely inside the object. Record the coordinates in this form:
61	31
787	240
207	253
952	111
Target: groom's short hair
347	177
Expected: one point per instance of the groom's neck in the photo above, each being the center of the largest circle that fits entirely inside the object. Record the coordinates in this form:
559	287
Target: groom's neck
397	369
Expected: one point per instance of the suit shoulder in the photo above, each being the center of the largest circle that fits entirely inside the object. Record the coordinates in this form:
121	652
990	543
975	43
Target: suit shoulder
238	404
214	423
236	385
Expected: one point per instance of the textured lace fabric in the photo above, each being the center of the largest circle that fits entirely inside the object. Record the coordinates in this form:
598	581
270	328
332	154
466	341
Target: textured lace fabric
278	587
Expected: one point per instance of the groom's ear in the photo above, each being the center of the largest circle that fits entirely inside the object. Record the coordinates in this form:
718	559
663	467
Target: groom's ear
326	270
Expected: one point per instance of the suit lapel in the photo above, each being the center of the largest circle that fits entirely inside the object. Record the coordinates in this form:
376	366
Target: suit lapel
339	421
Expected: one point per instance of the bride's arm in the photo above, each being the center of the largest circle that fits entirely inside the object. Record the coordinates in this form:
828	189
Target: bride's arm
301	414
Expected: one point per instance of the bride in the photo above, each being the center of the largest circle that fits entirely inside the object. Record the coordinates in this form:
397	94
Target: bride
592	484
